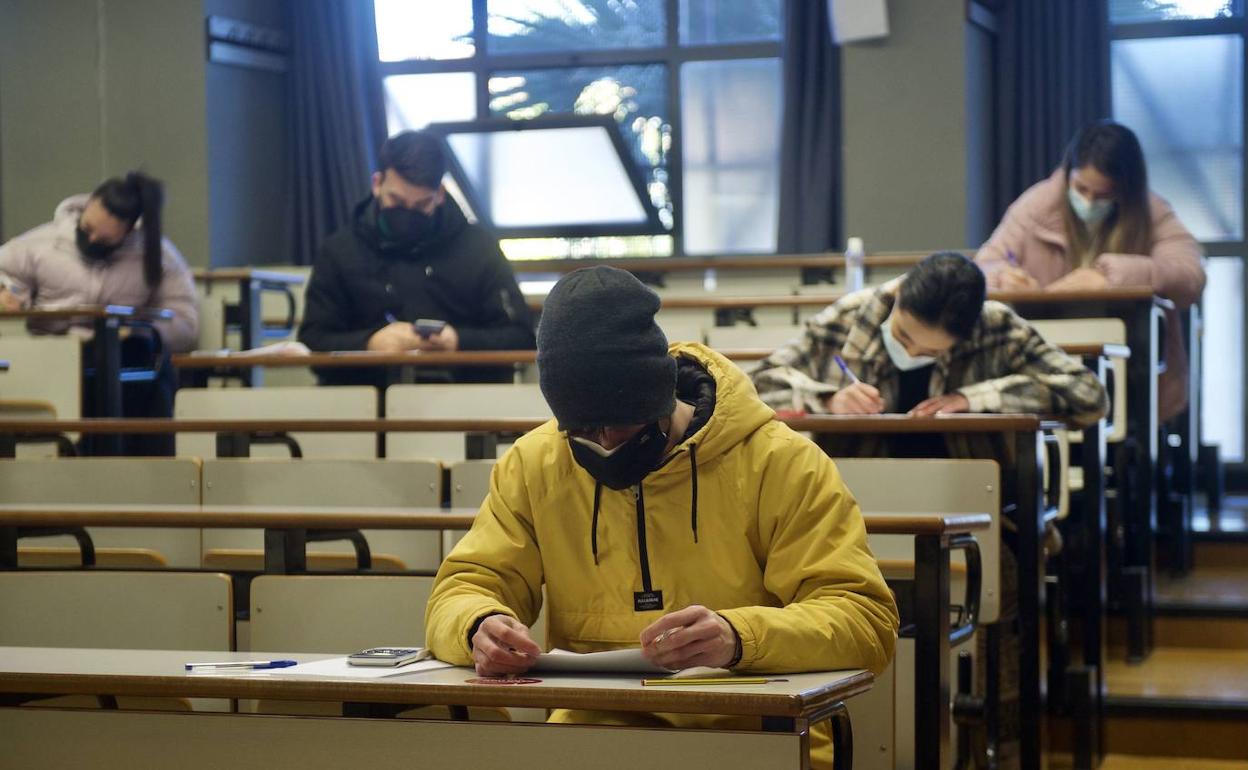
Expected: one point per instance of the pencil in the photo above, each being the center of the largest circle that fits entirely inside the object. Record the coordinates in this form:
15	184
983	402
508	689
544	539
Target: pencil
700	682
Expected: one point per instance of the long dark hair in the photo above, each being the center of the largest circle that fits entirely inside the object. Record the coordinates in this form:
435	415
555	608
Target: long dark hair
138	196
1113	150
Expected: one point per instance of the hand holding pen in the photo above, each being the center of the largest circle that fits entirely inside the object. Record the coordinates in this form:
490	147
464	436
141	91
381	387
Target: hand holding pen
502	645
856	398
1013	277
693	636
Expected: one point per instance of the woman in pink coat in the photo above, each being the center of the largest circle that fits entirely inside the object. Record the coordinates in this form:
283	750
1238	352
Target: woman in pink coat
1094	224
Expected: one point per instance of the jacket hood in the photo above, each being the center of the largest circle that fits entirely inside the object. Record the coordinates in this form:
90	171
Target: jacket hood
451	222
738	412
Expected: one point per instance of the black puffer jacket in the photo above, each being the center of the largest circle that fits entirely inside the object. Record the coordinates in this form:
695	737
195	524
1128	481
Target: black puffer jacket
458	275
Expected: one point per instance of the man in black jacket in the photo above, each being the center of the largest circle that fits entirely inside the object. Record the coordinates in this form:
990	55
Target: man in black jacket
410	254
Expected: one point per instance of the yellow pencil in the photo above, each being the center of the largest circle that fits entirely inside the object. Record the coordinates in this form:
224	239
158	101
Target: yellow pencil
720	680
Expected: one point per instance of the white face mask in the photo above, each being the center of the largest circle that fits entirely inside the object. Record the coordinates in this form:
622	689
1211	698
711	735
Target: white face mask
897	352
1092	212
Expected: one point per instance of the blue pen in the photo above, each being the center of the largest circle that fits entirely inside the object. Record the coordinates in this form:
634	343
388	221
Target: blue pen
1012	258
253	665
845	368
390	318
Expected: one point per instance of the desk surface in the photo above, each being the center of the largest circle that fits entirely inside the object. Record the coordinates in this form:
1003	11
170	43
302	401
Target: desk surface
1035	297
822	423
248	274
160	673
680	264
89	312
352	358
313	517
357	358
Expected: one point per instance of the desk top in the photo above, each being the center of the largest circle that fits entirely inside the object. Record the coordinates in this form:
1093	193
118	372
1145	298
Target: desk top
315	517
160	673
349	358
216	516
820	423
89	311
352	358
1031	297
247	274
680	264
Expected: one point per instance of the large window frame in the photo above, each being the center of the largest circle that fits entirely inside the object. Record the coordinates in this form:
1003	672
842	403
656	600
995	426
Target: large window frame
1234	25
672	54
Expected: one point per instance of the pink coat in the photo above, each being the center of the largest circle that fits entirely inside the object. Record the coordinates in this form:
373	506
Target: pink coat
43	266
1034	232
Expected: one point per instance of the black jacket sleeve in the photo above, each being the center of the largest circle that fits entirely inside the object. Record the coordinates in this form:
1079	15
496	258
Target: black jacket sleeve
505	322
327	310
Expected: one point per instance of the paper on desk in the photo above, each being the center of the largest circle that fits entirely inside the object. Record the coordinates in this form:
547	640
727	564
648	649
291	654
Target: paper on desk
337	667
609	662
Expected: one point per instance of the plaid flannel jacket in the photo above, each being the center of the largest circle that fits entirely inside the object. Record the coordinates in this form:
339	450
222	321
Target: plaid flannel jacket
1004	367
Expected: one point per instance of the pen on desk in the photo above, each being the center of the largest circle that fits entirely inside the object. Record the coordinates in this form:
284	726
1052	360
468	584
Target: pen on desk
709	681
254	665
845	368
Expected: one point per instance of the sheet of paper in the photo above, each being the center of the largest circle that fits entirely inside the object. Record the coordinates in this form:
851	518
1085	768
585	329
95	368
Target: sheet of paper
337	667
609	662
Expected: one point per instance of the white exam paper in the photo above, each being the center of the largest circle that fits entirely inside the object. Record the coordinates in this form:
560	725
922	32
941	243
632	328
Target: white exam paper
610	662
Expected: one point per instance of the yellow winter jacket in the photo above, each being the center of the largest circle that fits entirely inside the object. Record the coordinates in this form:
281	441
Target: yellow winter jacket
745	517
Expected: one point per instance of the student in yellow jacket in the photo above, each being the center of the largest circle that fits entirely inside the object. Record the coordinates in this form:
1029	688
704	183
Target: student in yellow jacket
665	508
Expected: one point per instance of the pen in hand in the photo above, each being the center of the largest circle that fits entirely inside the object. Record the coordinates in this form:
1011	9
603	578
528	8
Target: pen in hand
845	368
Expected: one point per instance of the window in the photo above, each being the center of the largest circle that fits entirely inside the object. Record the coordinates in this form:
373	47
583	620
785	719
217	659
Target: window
1177	79
668	87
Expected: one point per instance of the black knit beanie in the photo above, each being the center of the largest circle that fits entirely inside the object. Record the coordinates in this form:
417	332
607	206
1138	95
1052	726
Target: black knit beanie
601	358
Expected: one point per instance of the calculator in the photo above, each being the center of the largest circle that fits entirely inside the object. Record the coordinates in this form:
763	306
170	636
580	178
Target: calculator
387	656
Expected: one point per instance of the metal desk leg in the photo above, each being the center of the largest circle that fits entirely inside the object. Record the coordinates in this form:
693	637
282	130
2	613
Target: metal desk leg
106	395
1140	515
250	326
1029	518
8	547
932	748
285	551
1094	584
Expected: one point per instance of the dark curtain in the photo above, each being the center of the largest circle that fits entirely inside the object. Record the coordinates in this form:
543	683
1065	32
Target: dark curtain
1053	78
810	138
338	114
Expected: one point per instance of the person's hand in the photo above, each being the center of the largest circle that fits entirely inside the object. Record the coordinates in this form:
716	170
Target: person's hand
394	337
858	398
950	403
1013	279
694	636
10	301
502	646
1079	279
446	340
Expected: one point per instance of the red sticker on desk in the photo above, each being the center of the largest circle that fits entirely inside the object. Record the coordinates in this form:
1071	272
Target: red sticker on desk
502	680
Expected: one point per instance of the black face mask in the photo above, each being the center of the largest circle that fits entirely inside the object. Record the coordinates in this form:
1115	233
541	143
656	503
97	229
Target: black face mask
407	226
94	252
628	463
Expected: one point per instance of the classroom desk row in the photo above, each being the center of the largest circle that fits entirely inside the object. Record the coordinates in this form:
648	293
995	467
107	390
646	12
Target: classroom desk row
925	599
364	736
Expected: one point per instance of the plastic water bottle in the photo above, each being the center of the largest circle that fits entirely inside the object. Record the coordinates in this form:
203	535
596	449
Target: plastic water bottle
855	257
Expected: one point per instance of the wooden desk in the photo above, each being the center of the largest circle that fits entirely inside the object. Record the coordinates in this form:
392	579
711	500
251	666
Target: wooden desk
1022	504
287	530
353	358
658	265
104	738
247	314
106	322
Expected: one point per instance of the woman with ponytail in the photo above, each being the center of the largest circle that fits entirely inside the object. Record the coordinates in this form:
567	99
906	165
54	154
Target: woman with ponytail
107	248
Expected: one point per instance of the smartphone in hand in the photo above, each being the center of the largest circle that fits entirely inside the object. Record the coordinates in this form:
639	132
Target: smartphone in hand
427	327
388	656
